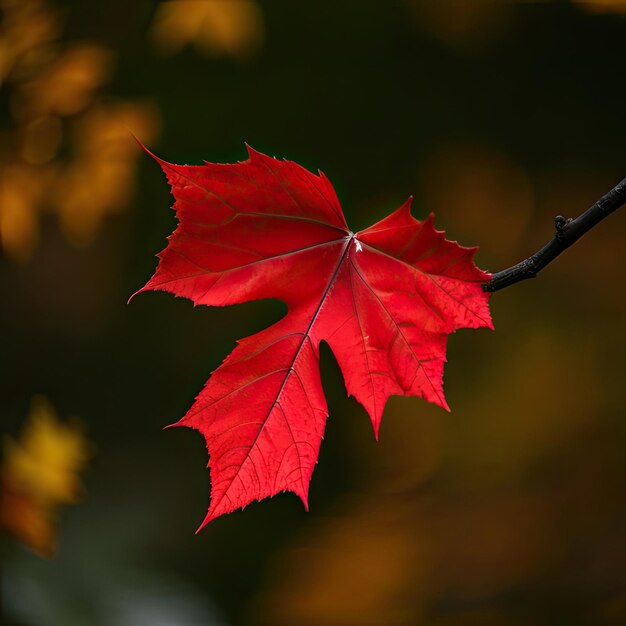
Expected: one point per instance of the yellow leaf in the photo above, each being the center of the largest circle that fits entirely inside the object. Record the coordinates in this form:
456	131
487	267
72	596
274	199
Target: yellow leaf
40	471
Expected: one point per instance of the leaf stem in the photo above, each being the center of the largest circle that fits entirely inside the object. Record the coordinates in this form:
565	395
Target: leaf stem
568	232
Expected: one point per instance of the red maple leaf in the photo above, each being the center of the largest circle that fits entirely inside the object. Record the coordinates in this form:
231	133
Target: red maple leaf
384	299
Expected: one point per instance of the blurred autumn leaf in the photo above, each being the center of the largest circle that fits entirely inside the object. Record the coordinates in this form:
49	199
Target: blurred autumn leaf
67	150
214	27
40	472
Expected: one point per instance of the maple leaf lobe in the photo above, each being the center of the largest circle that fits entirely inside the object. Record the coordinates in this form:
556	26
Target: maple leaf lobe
384	299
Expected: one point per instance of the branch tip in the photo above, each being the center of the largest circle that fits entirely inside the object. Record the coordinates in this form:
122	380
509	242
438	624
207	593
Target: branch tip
568	232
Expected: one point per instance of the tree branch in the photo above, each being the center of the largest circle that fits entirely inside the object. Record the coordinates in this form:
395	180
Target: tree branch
568	231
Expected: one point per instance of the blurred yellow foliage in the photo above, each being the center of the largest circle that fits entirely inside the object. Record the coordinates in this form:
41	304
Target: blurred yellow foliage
215	27
22	189
101	178
56	110
41	139
39	472
29	30
66	85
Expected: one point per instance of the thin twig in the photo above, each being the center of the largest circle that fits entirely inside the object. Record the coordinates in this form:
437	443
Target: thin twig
568	231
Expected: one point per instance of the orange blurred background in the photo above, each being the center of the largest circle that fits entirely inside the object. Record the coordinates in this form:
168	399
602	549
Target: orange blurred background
496	116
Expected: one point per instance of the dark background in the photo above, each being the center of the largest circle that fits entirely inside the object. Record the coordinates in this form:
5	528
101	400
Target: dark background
509	510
